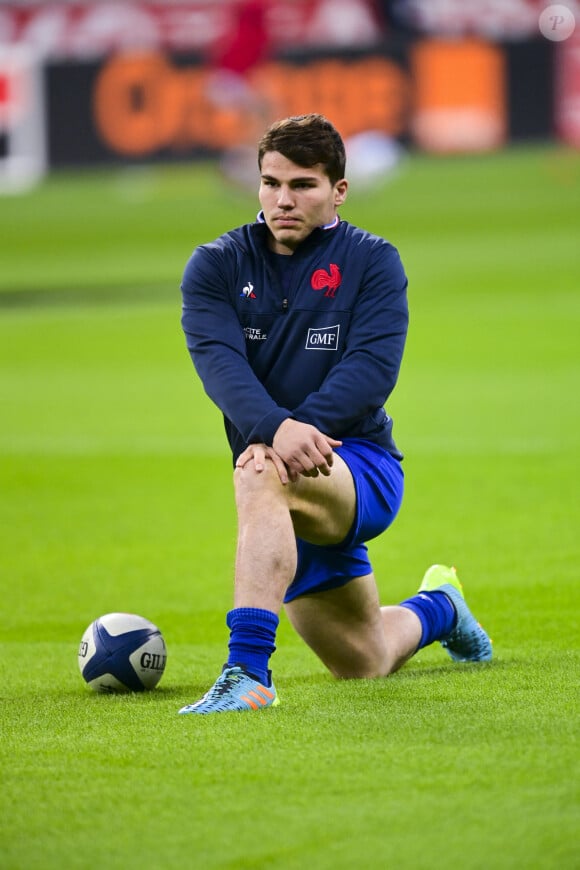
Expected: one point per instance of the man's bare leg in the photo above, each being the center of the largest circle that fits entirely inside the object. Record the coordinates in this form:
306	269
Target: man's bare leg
350	632
266	551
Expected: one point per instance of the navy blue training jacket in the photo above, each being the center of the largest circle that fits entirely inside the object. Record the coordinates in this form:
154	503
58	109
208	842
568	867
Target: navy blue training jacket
324	350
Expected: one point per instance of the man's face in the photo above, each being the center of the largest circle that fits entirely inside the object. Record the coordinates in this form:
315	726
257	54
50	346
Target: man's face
296	199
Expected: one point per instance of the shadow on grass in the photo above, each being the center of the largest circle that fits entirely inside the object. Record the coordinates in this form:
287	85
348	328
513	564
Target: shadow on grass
98	295
418	672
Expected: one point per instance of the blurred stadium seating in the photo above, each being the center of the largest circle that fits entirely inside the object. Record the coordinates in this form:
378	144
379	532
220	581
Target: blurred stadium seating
127	83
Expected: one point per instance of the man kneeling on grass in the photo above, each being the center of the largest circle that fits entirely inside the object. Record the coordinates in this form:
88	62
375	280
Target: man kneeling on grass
296	325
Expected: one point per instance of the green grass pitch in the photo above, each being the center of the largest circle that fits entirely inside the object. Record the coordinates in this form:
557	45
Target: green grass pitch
116	495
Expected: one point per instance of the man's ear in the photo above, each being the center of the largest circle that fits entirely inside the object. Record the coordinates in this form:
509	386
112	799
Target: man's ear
340	191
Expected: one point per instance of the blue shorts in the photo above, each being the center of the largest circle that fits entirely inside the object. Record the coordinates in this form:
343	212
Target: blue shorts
378	480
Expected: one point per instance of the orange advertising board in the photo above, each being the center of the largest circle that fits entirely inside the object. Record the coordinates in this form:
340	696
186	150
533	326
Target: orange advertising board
143	103
459	95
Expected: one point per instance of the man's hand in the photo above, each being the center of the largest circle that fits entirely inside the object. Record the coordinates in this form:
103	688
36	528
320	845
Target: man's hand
258	454
304	449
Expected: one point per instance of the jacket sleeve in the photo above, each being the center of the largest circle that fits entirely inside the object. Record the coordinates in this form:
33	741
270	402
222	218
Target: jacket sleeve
363	379
216	342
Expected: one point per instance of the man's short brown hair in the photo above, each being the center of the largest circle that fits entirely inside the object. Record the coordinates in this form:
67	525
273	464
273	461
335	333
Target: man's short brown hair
306	140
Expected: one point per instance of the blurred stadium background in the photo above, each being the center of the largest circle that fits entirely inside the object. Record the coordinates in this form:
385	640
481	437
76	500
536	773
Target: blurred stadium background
95	84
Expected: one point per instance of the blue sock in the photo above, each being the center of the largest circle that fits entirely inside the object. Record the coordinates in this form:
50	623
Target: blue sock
436	613
252	640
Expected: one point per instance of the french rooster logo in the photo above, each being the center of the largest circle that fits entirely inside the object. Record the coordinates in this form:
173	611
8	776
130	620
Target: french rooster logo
248	291
331	281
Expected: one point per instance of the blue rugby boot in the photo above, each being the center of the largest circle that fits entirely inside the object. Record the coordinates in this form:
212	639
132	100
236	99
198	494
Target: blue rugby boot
235	689
468	642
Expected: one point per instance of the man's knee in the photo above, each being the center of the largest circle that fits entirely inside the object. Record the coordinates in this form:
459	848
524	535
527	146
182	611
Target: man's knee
350	663
252	484
360	665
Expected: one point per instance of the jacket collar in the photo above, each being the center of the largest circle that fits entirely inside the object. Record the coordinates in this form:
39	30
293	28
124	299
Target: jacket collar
331	226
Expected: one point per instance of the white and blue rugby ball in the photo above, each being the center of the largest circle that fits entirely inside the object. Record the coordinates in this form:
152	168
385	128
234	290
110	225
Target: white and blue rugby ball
122	652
